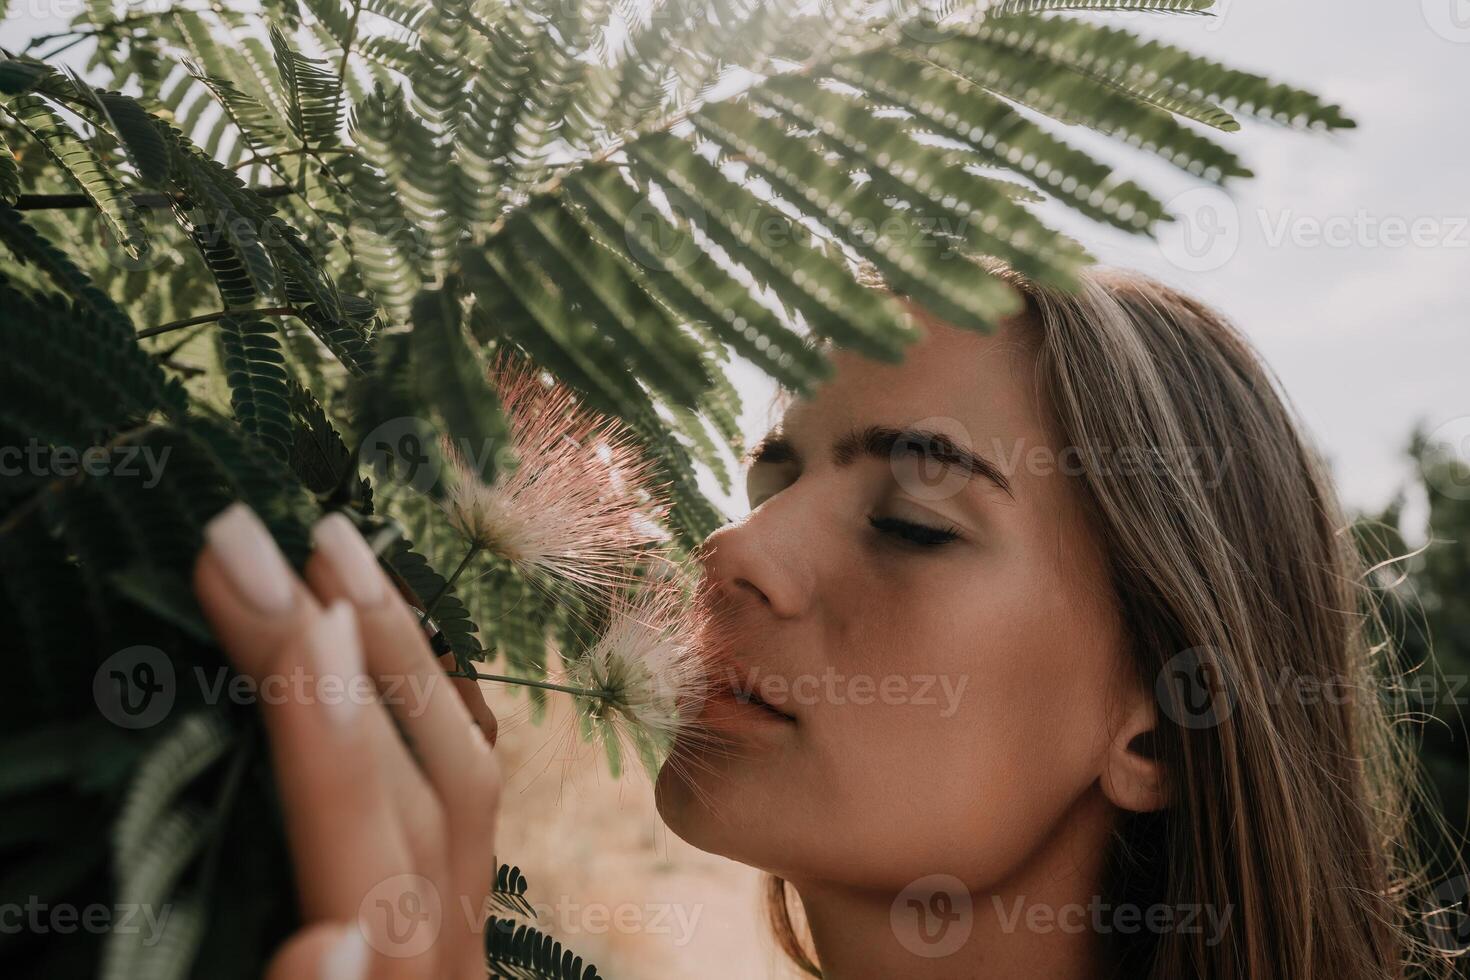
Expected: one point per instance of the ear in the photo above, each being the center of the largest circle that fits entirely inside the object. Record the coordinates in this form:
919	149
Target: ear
1133	776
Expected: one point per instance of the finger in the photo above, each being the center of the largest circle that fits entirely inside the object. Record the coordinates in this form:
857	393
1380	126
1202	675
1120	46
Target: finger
318	710
451	747
324	951
252	598
473	696
445	736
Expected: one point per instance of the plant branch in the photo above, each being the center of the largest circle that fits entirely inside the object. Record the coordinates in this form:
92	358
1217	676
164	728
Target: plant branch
194	321
266	158
62	202
449	583
102	29
342	66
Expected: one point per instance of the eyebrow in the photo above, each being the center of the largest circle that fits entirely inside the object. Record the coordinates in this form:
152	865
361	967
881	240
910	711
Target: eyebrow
883	442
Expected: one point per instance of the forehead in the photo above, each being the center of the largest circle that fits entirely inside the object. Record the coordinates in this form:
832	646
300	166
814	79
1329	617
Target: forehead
979	389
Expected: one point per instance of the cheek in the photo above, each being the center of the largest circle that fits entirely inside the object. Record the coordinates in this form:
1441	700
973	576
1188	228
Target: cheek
987	724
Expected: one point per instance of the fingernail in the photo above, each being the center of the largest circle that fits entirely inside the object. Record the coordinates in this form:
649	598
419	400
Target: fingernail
251	560
356	566
338	654
347	958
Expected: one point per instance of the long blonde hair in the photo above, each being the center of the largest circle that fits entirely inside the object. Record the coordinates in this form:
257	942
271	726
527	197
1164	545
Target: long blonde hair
1231	561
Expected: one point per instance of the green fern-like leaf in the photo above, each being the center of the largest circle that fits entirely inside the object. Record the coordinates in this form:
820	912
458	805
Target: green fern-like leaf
30	246
171	846
662	257
194	743
76	157
809	281
313	94
9	174
509	893
255	370
449	614
523	952
1158	73
1012	7
98	378
448	373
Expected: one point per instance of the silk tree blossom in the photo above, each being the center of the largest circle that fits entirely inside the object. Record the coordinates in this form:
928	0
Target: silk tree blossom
582	498
653	667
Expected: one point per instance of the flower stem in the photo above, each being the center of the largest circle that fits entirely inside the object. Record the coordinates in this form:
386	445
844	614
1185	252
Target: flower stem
585	692
449	584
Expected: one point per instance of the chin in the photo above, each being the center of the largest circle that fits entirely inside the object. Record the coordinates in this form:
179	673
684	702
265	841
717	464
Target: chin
702	808
680	805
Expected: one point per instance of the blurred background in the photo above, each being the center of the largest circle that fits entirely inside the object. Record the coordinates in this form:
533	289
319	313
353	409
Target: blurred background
1346	261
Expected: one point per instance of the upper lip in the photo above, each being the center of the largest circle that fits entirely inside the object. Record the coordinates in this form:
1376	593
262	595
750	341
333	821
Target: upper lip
720	635
728	678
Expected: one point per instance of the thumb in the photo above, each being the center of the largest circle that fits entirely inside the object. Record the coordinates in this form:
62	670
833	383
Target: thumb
322	951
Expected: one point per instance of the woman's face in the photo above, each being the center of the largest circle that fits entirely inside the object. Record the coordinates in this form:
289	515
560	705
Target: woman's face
941	635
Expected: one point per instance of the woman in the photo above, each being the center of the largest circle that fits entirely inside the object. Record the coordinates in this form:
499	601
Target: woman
1060	665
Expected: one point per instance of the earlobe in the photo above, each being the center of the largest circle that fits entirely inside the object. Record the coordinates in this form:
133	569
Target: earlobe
1133	775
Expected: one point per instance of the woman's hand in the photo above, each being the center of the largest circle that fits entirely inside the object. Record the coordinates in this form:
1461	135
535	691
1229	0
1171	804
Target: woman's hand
385	768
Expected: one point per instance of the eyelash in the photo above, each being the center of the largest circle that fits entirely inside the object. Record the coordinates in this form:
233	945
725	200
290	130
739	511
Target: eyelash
919	535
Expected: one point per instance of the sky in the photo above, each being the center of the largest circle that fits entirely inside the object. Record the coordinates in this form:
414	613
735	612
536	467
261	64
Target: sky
1345	259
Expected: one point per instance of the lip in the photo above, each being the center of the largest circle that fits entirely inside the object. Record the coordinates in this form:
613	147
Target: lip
726	701
731	688
724	707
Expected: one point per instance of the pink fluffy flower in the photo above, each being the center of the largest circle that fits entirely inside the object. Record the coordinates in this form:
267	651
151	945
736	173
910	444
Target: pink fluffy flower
649	668
580	503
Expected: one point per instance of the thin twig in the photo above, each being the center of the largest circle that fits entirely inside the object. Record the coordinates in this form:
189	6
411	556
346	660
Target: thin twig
585	692
449	584
194	321
62	202
263	159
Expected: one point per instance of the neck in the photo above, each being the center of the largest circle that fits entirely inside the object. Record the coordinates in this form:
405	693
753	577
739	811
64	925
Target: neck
1039	922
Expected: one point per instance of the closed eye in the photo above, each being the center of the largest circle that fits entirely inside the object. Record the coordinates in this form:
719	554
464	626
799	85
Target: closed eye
921	535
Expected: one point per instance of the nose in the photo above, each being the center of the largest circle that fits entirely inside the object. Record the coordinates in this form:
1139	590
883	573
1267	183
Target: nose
761	559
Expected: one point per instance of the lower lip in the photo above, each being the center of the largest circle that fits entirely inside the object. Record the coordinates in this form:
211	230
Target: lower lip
724	709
